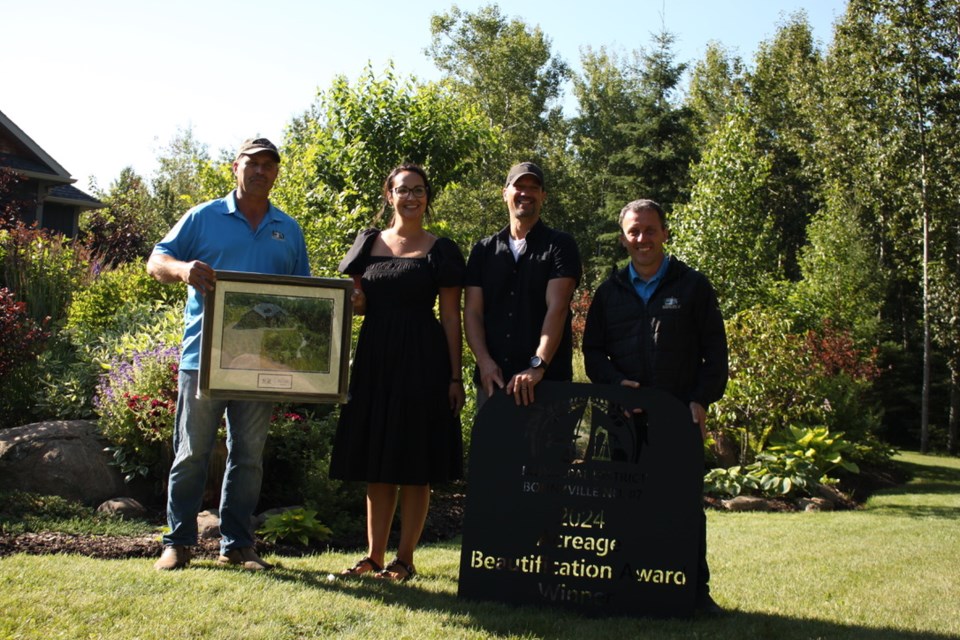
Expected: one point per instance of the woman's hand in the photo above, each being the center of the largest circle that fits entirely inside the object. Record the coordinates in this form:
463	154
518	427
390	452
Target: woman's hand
457	396
359	301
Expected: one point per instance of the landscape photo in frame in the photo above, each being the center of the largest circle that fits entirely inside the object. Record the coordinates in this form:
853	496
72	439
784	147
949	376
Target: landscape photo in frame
276	338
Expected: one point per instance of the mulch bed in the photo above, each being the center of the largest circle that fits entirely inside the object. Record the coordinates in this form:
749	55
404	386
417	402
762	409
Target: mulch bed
444	522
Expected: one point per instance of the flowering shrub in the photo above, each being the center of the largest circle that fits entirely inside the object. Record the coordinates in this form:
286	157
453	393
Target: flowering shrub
781	380
21	338
579	307
136	402
296	463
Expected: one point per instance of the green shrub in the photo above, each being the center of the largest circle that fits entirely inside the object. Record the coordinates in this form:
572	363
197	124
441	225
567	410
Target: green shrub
296	465
43	269
780	380
300	525
794	463
95	309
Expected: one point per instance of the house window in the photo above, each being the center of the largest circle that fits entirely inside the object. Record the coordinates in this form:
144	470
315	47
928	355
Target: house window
59	218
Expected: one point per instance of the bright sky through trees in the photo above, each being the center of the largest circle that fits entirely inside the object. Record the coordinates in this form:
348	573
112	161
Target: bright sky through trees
105	84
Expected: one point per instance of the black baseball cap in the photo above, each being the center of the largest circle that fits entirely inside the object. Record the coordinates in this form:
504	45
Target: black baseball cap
525	169
256	145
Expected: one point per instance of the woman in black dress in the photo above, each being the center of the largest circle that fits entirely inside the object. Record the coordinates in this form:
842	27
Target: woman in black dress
400	428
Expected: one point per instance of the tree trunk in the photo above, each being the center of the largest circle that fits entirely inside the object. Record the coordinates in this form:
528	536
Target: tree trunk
953	446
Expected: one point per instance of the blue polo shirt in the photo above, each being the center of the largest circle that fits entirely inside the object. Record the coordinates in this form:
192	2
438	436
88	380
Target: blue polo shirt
645	288
216	233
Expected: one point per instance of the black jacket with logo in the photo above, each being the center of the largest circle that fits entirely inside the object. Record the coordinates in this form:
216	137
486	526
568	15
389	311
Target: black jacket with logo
676	342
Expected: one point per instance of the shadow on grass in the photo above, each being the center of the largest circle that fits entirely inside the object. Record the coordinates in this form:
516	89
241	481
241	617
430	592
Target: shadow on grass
500	620
929	475
917	511
926	480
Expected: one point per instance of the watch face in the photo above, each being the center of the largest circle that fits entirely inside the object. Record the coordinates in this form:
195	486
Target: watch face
536	362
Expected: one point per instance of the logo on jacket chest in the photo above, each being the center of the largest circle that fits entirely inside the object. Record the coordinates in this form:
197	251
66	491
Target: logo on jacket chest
671	303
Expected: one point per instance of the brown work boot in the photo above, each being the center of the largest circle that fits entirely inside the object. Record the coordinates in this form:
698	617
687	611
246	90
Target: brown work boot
174	556
246	558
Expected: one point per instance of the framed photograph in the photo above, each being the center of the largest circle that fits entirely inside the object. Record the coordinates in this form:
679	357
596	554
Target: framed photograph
276	338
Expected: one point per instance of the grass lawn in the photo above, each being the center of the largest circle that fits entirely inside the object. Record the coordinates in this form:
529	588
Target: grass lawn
890	570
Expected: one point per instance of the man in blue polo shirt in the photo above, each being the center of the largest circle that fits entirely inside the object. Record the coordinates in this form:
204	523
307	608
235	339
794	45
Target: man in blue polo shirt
656	323
239	232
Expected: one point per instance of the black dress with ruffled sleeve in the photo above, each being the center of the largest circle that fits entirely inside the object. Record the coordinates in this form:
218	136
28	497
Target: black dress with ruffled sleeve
397	426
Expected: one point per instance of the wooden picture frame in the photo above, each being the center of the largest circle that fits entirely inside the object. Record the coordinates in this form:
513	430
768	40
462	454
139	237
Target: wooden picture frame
276	338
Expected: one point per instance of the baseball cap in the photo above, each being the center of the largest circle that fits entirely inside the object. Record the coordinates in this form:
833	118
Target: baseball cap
524	169
256	145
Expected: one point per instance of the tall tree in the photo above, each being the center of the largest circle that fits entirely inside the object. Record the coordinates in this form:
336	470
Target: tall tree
504	66
337	154
608	93
717	88
186	175
890	120
633	137
725	231
660	143
784	91
842	280
130	224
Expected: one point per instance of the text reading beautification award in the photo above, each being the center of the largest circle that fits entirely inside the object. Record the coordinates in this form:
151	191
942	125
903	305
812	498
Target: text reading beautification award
573	503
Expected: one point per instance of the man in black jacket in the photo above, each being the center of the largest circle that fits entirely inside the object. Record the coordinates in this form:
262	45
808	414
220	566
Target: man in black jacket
656	323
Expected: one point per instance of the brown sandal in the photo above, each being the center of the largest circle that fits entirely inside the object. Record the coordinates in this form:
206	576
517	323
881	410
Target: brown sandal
390	571
364	565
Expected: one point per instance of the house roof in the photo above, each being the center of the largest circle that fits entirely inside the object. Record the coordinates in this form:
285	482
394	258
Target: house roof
32	153
23	165
25	156
68	194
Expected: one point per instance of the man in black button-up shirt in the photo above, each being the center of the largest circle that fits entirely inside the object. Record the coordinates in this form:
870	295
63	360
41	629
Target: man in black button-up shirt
519	284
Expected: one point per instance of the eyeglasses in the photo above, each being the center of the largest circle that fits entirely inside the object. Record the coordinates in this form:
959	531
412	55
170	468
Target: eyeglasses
403	192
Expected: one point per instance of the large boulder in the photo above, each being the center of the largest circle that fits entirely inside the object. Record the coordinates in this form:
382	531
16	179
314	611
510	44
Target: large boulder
60	457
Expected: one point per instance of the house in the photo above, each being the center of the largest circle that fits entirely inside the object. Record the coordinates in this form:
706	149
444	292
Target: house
54	203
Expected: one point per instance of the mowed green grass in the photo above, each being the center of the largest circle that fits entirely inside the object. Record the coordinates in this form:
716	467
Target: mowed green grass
889	570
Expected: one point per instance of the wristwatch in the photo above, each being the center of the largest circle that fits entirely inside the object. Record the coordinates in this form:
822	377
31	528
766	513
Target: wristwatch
536	362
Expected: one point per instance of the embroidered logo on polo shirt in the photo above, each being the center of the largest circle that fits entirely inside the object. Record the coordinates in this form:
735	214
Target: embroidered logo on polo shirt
671	303
278	235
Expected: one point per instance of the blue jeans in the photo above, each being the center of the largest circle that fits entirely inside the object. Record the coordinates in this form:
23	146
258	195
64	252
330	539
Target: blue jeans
194	435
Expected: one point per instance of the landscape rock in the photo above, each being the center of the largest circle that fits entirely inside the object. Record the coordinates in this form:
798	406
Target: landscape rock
836	497
747	503
60	457
815	504
208	524
123	507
